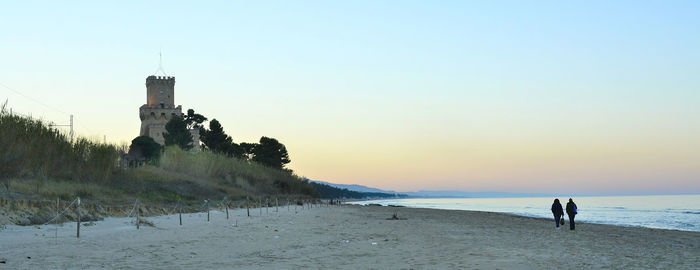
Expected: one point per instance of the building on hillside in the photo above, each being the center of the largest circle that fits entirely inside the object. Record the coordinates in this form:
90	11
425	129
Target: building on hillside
160	108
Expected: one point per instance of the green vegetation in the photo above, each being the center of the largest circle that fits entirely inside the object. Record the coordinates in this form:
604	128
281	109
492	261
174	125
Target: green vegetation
177	133
271	153
241	174
268	152
31	149
38	163
329	192
144	147
194	120
217	141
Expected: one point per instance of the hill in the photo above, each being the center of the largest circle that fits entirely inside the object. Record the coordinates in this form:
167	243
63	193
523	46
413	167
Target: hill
330	192
354	187
38	165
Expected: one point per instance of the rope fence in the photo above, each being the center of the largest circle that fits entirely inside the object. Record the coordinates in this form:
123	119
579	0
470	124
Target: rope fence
223	205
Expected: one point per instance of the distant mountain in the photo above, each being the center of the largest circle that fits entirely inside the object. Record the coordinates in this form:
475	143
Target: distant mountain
467	194
329	192
358	188
431	193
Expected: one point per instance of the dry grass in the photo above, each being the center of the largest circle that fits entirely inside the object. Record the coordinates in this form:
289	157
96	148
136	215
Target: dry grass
245	176
38	163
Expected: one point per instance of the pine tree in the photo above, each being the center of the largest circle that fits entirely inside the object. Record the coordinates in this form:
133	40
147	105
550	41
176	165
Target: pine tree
177	133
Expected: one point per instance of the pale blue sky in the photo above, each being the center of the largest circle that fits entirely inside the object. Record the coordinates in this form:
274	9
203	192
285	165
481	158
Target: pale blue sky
404	95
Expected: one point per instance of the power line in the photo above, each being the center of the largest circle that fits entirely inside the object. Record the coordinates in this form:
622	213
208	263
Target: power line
51	108
33	99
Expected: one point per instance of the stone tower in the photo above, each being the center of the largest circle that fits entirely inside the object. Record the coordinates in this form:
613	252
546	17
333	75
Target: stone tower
160	108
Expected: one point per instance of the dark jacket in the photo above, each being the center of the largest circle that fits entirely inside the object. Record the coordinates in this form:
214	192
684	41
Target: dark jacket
557	210
570	206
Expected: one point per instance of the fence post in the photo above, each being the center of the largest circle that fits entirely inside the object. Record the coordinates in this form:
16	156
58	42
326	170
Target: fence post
78	232
260	204
138	218
247	205
267	206
277	205
287	204
206	202
58	206
179	210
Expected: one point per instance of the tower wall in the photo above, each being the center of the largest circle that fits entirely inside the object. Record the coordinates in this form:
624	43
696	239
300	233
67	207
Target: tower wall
160	90
160	108
153	120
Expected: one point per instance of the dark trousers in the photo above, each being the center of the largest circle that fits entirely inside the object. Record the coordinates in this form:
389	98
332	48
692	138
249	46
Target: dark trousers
557	218
572	225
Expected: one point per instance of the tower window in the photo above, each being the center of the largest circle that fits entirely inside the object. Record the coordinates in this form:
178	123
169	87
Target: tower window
162	105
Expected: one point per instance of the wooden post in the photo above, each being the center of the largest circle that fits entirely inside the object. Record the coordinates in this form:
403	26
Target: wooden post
260	204
277	205
287	204
207	203
227	210
78	233
58	206
267	206
179	210
138	217
247	205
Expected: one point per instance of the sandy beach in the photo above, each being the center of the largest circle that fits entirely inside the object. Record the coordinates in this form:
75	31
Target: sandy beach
346	237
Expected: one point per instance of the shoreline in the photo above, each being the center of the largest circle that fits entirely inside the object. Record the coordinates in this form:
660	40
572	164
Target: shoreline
636	213
536	217
154	214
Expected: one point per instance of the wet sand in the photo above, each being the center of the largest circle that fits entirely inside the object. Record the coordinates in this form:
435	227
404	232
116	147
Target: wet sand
347	237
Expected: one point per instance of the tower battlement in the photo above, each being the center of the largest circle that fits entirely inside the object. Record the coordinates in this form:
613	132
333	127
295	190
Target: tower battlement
160	108
160	91
160	80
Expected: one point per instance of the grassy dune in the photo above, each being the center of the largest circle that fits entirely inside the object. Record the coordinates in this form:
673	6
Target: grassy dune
38	164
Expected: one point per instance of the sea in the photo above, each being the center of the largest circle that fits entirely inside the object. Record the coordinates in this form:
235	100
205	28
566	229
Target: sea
675	212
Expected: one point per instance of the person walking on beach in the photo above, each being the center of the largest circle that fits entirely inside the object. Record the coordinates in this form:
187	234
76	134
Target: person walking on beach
571	211
557	211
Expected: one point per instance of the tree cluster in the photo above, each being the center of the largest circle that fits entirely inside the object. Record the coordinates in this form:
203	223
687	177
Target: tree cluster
267	151
329	192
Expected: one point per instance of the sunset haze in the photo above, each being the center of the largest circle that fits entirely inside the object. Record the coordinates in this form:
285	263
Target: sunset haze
549	97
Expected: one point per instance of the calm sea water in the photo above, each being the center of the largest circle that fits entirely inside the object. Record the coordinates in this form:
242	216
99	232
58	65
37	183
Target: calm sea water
678	212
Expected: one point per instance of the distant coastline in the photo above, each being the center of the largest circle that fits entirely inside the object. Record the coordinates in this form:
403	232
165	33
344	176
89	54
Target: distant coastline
672	212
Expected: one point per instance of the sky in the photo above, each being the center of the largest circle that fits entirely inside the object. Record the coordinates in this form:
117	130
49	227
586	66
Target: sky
581	97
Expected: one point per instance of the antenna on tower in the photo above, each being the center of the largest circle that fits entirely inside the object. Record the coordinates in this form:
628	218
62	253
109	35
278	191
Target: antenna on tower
160	64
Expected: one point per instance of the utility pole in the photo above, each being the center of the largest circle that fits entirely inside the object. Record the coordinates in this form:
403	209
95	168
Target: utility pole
71	128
